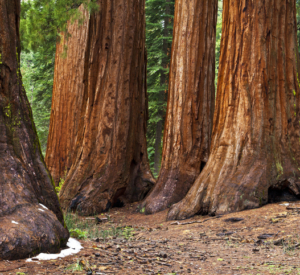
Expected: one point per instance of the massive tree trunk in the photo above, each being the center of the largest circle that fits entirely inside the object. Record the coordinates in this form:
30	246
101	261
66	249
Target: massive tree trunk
67	98
191	97
255	149
26	227
111	165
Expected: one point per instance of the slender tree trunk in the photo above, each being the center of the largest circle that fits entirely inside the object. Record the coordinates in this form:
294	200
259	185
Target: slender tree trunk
67	99
163	79
191	97
111	166
26	227
255	150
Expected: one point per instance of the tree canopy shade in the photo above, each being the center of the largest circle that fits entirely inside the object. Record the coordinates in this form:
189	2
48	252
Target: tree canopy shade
26	227
191	100
255	151
111	165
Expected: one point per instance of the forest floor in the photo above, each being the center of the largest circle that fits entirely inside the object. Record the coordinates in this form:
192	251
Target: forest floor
259	241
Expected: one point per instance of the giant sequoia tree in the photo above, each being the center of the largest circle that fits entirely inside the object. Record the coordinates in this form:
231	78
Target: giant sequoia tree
68	90
110	164
26	227
191	97
255	152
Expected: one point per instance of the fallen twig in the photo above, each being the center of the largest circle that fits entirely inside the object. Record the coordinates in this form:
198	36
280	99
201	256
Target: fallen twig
292	208
185	223
11	268
157	262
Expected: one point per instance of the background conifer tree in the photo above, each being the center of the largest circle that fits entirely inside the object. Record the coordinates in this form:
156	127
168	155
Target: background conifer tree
159	35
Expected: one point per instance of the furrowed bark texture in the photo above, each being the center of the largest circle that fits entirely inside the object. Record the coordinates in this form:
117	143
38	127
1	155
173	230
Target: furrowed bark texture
26	227
255	147
191	98
111	165
67	98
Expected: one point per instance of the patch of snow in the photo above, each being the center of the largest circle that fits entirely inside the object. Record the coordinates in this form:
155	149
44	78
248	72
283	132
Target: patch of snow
74	248
285	204
44	206
14	222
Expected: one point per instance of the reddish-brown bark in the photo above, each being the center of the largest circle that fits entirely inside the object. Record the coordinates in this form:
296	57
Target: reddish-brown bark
26	227
111	165
67	98
255	148
191	98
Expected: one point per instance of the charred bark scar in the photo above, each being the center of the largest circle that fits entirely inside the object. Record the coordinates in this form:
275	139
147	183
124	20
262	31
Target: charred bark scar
75	202
108	206
246	5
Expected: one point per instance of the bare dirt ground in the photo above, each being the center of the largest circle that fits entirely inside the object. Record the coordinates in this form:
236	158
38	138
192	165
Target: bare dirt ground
260	241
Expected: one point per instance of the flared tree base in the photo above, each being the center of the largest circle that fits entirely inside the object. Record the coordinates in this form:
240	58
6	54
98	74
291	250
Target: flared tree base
169	189
219	190
30	230
99	195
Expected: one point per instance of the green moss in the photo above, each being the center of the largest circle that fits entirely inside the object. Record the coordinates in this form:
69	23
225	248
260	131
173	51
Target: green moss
7	110
17	54
60	184
16	122
143	210
279	169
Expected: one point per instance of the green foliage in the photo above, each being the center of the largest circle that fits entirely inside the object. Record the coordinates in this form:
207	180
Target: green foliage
77	233
106	233
159	29
73	221
143	210
83	228
37	70
218	38
76	267
298	22
128	233
43	20
60	184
